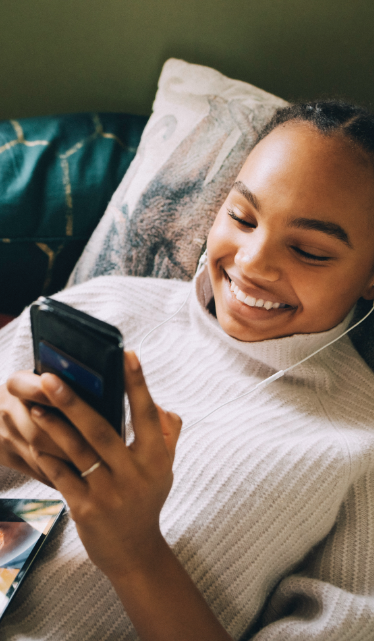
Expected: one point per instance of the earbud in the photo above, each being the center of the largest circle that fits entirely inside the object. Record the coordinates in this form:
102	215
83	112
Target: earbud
202	261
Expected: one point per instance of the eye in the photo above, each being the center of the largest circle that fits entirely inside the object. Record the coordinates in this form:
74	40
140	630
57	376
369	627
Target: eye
246	223
309	256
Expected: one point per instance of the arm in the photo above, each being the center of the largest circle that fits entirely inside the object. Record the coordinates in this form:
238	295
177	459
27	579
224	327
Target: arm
163	602
116	508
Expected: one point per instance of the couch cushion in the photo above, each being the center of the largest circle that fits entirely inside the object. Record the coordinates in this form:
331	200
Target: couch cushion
57	174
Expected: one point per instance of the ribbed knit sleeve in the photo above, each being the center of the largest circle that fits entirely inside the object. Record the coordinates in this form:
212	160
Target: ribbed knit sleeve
331	598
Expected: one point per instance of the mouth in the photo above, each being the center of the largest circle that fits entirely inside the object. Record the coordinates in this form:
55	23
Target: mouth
252	301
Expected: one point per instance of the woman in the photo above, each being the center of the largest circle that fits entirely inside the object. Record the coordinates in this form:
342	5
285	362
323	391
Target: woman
271	511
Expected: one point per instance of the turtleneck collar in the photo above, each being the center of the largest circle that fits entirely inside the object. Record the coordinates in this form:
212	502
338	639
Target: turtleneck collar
277	353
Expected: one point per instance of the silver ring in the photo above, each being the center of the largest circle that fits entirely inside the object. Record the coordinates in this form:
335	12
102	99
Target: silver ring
91	469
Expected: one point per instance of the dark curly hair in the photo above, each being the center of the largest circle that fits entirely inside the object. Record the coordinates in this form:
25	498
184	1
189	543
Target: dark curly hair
356	123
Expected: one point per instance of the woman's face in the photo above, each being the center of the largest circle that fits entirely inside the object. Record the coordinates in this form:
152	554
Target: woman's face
295	236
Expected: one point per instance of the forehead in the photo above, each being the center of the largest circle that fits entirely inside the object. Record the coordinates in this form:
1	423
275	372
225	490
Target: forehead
300	171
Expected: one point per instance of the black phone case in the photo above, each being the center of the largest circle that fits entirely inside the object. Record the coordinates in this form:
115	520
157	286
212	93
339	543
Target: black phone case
93	343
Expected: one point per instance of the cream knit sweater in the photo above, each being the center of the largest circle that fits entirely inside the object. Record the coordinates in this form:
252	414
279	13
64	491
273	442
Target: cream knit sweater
272	507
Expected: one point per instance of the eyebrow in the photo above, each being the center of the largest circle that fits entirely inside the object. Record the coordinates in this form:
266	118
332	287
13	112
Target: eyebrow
331	229
242	189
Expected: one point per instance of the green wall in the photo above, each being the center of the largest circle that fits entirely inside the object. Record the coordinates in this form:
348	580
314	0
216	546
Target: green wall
61	56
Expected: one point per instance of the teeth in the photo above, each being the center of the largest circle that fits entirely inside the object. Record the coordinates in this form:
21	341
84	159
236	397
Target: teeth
253	302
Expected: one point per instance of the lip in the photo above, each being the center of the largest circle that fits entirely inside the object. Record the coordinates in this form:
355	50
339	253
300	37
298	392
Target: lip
256	293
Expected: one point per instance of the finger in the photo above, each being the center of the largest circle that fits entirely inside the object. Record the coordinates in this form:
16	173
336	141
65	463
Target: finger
144	414
61	476
42	440
18	419
18	463
171	425
32	434
98	433
27	387
67	438
17	455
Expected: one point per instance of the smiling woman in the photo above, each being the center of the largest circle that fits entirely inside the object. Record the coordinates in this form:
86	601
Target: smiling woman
292	248
266	529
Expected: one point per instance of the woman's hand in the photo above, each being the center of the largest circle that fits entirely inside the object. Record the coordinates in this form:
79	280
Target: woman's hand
117	506
18	430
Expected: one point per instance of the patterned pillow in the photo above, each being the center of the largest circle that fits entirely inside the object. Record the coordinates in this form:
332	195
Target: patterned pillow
57	174
201	130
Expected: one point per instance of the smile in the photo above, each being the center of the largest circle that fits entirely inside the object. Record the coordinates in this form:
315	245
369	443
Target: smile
255	302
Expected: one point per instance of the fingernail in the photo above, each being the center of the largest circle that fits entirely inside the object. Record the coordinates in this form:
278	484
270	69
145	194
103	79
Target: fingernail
133	361
53	382
37	410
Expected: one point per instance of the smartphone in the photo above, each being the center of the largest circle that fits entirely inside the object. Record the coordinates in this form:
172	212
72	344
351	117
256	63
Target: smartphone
85	352
24	527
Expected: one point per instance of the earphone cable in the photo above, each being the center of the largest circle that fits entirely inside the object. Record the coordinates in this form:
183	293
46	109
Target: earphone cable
278	374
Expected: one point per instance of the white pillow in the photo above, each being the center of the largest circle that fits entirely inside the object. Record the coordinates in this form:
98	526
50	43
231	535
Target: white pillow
201	130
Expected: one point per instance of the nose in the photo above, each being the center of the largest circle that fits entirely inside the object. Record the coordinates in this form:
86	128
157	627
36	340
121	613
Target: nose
259	260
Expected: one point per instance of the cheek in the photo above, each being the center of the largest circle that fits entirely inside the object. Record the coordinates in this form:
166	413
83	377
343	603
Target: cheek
328	290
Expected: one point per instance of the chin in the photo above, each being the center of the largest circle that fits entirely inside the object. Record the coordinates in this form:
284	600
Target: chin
245	334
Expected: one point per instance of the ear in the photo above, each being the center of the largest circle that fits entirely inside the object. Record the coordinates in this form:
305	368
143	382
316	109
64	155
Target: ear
368	292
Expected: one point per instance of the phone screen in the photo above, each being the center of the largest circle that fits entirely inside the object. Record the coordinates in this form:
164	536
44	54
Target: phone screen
24	526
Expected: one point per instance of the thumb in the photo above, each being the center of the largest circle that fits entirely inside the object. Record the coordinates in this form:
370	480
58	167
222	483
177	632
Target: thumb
171	425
